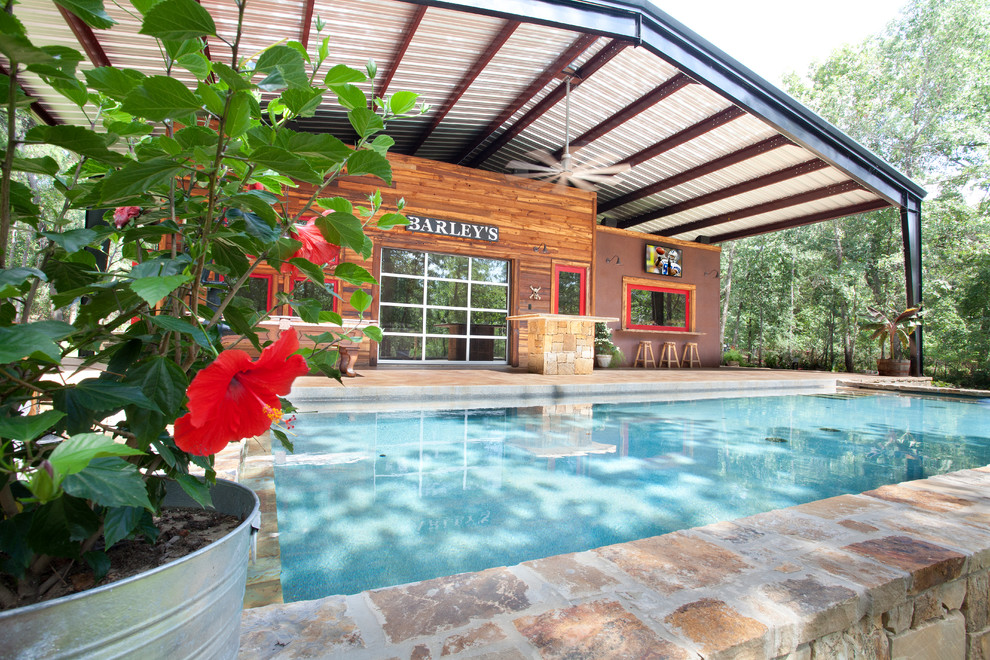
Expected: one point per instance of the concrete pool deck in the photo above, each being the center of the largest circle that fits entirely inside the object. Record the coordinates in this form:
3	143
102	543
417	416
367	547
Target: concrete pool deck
899	568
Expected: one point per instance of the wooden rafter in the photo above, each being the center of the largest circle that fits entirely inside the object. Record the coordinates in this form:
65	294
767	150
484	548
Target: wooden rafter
646	101
307	23
767	207
706	125
732	158
821	216
400	50
36	107
472	74
600	59
573	51
746	186
84	35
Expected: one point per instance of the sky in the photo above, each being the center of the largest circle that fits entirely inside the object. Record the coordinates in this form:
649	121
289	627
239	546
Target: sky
775	37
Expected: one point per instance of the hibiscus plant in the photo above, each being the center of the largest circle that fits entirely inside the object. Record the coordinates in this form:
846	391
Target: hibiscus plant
193	170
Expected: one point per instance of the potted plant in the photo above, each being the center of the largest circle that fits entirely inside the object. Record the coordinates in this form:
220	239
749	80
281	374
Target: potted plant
893	329
105	406
733	357
605	348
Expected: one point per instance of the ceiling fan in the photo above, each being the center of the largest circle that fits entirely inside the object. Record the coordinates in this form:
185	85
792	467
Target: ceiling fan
563	171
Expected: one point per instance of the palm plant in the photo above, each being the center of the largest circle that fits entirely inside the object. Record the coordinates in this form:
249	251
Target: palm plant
893	329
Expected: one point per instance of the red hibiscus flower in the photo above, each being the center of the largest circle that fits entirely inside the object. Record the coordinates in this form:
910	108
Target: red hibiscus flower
314	247
123	214
236	397
254	186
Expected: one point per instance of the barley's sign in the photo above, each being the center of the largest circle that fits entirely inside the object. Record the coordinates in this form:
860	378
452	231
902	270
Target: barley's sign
452	228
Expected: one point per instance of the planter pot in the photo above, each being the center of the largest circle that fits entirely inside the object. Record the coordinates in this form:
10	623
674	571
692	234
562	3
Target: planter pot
732	363
894	367
603	359
188	608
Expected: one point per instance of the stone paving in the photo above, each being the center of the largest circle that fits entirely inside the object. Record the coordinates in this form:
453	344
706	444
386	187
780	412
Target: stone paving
901	570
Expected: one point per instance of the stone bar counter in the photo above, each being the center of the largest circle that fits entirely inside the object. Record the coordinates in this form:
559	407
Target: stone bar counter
561	344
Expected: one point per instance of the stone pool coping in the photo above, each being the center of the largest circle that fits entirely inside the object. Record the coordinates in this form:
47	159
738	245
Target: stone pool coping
893	570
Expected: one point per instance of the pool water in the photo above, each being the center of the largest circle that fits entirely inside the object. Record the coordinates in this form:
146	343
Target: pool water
373	499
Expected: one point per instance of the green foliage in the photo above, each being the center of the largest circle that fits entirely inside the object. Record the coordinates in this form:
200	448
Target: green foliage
87	455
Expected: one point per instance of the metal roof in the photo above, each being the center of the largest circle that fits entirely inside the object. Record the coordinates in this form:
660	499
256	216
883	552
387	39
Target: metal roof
714	150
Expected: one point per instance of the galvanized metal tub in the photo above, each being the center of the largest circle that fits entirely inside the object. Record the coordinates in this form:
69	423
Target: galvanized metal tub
189	608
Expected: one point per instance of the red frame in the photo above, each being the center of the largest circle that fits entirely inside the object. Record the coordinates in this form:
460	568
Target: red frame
668	328
561	268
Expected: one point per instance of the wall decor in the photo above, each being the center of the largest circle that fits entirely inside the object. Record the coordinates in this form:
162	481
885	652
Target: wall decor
663	260
453	228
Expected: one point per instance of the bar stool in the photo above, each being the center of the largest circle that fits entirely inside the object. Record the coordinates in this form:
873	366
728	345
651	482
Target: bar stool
644	353
690	356
668	354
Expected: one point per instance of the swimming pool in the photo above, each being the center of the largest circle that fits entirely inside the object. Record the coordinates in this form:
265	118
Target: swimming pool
371	499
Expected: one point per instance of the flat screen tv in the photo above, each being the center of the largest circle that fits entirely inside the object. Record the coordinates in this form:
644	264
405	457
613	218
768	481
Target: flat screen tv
663	260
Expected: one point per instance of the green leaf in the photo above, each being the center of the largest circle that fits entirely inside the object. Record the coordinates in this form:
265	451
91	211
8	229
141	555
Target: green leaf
234	81
159	97
20	49
382	144
196	489
78	140
302	102
308	310
59	525
321	150
284	68
115	83
13	540
21	341
239	114
119	522
390	220
350	96
283	162
341	75
308	268
29	427
72	240
98	562
229	256
402	102
361	300
109	482
172	324
367	161
128	129
284	440
75	91
196	136
17	276
373	332
258	202
73	455
338	204
138	178
43	165
100	395
196	64
341	229
365	122
90	11
353	274
153	289
178	20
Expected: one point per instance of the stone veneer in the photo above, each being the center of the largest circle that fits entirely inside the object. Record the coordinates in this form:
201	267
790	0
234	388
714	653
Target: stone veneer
900	571
561	347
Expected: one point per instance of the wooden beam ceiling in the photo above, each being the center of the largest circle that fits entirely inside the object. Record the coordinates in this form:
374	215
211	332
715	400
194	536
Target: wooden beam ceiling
740	188
401	48
469	77
39	110
84	35
732	158
600	59
573	51
307	22
706	125
821	216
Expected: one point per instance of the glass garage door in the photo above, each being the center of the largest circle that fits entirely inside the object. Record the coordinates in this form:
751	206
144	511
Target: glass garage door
442	308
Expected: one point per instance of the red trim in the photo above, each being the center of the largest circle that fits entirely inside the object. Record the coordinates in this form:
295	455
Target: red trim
557	270
672	328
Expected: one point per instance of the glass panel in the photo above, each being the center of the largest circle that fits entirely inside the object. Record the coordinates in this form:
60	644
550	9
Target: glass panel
402	262
438	348
448	266
490	270
568	292
447	294
400	319
659	308
488	323
313	290
488	296
487	350
446	322
400	348
406	290
255	290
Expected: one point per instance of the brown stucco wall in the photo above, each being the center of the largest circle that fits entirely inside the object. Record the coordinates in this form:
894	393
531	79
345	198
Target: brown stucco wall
620	253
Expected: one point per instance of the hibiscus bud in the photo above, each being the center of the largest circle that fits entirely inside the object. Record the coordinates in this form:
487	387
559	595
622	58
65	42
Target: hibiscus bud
255	186
123	214
47	466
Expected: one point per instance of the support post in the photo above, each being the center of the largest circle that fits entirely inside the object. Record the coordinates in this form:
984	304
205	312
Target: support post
911	236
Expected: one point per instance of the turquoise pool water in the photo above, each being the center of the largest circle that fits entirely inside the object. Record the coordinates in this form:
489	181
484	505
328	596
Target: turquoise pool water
373	499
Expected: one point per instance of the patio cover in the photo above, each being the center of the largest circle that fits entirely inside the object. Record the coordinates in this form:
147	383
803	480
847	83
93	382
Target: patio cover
715	152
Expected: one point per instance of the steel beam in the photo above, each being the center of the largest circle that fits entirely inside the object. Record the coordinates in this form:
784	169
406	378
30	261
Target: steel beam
683	136
307	23
775	142
911	237
472	74
86	38
400	50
